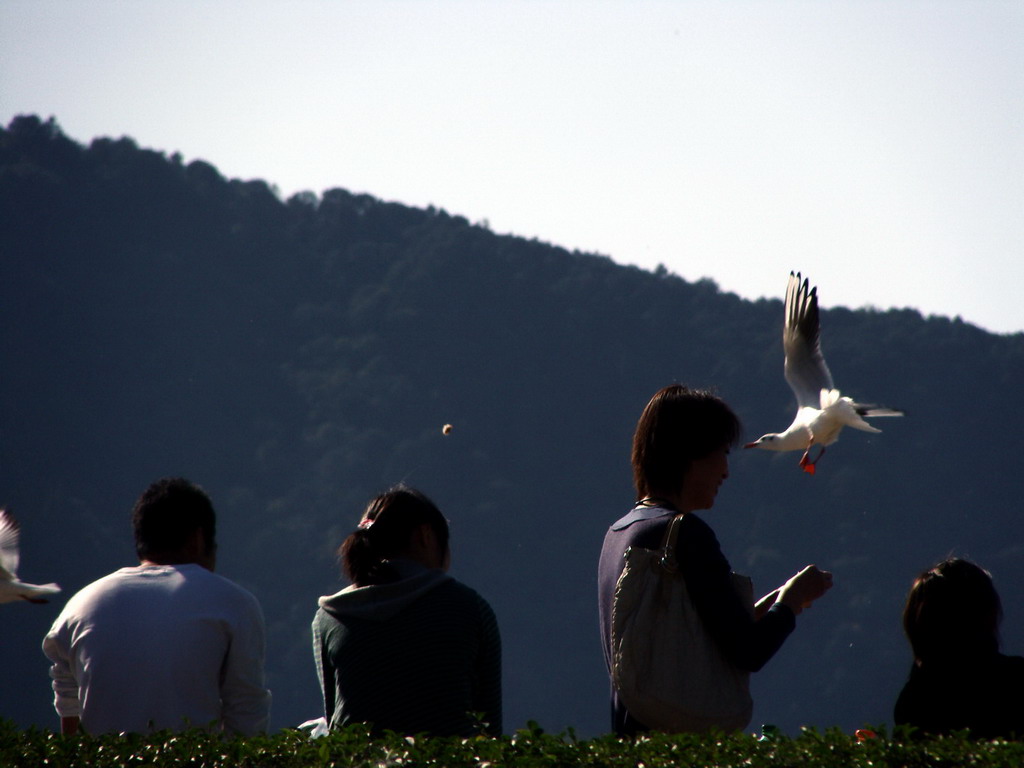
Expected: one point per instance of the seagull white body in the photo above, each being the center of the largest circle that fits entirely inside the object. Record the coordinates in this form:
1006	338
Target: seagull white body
822	411
10	588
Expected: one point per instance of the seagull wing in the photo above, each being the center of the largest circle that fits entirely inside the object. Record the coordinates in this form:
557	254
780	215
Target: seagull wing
805	366
9	534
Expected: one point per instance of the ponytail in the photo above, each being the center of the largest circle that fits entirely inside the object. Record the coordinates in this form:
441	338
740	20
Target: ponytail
385	531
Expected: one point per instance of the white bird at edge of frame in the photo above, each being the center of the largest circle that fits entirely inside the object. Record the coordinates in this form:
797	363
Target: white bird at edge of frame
10	588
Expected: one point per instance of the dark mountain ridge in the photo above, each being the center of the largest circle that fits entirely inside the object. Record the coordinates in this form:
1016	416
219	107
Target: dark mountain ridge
297	356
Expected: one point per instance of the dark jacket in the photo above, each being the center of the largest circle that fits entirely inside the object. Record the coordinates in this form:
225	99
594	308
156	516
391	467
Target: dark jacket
981	693
421	654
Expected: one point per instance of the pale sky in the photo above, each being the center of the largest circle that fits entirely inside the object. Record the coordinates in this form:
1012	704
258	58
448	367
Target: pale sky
877	146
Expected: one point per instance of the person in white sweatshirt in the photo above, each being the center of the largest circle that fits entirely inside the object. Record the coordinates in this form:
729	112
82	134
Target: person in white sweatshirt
166	644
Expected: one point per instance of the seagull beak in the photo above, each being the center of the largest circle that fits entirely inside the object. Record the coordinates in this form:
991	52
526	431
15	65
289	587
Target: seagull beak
751	445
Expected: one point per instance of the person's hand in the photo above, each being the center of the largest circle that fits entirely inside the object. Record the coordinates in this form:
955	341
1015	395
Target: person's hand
804	588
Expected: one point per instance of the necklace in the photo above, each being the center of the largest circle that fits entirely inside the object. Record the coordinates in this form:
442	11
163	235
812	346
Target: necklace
656	501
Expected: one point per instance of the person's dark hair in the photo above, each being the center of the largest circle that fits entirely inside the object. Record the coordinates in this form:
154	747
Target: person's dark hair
386	531
678	426
168	513
953	611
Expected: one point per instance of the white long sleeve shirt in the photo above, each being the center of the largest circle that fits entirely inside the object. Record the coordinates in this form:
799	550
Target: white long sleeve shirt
153	647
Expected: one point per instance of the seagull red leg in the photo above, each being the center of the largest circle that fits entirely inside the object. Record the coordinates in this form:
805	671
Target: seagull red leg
805	464
808	466
805	461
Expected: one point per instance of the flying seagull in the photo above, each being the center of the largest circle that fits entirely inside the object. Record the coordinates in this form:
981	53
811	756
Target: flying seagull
821	411
10	588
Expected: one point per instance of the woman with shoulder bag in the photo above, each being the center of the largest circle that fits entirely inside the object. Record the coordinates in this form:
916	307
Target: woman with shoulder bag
680	631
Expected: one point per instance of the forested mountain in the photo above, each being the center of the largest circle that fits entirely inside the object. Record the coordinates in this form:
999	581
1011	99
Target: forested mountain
295	357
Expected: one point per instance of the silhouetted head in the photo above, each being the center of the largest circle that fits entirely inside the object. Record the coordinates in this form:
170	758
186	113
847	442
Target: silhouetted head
953	613
174	522
678	426
399	523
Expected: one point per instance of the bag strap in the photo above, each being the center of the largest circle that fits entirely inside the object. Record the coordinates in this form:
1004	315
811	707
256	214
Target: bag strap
668	545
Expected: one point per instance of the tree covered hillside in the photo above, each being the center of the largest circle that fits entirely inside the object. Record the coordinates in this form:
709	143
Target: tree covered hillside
295	357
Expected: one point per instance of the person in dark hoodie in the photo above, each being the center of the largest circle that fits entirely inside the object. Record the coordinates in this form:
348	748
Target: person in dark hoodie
406	647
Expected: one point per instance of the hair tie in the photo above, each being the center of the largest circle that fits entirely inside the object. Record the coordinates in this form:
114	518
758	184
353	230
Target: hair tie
365	523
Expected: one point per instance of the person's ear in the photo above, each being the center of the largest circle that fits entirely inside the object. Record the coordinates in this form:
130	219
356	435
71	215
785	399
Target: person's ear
427	544
200	551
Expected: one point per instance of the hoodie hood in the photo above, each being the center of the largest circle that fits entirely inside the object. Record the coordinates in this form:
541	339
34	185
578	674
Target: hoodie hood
383	601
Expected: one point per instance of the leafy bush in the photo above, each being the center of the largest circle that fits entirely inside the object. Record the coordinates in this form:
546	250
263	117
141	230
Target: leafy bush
530	747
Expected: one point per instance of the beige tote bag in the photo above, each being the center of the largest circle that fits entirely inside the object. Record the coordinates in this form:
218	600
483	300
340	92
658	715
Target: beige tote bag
668	671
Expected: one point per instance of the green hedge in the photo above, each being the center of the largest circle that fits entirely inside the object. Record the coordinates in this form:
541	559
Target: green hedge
530	747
